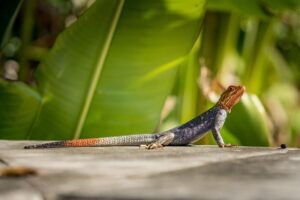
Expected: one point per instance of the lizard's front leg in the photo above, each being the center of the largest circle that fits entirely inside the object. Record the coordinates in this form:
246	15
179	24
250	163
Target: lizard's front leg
161	141
218	138
217	125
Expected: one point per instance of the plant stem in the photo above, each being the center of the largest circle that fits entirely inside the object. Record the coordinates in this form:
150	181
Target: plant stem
26	36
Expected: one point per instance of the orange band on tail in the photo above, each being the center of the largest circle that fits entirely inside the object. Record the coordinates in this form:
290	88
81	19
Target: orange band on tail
82	142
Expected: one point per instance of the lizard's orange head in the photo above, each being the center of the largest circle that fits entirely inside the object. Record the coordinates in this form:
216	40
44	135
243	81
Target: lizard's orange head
231	96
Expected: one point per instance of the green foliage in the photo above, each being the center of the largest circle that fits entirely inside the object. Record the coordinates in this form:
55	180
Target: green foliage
251	8
18	107
188	88
110	72
247	39
7	17
263	9
249	118
285	101
279	5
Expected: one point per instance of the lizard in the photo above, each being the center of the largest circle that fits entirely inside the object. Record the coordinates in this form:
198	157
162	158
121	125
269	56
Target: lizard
191	131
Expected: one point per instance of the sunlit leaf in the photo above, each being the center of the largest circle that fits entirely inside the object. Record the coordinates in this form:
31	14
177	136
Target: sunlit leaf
18	106
249	123
111	71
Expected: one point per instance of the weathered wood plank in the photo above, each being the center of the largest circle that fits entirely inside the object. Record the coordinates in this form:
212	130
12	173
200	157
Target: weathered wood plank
172	172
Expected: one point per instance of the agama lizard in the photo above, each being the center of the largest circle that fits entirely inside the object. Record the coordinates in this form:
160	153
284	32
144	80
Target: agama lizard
213	119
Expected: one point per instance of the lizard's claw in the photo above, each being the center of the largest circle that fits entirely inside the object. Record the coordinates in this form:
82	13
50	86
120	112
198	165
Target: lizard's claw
162	141
231	145
151	146
154	146
227	145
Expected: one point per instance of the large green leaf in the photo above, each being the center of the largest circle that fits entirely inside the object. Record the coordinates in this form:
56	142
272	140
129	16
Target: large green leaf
110	72
18	106
249	123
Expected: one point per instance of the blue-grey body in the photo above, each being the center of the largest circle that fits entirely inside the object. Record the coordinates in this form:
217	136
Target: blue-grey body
211	120
195	129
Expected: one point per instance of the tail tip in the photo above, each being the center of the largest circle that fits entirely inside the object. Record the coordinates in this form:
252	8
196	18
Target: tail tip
32	146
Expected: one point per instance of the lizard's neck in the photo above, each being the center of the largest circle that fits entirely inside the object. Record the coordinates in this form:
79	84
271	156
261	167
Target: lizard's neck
223	106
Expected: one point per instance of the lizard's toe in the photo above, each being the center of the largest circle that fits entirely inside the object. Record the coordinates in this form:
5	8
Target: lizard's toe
230	145
154	146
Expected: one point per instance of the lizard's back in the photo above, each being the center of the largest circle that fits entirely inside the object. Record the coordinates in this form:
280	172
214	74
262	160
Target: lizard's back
195	128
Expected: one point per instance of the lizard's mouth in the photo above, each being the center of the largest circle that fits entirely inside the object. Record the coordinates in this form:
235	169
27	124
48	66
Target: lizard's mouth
240	92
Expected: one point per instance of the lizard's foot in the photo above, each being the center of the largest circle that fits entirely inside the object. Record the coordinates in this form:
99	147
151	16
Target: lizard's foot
162	141
151	146
154	146
227	145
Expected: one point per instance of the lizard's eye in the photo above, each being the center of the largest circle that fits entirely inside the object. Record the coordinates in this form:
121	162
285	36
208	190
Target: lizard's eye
231	88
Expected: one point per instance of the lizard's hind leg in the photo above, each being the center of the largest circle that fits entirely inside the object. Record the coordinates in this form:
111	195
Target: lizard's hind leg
161	141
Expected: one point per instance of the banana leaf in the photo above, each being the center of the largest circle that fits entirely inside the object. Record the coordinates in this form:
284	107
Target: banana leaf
110	72
248	122
18	107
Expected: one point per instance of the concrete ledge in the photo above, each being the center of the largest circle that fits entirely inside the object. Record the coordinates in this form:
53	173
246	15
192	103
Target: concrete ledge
195	172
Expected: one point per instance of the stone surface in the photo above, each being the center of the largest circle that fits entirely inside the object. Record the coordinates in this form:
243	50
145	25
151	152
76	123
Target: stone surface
193	172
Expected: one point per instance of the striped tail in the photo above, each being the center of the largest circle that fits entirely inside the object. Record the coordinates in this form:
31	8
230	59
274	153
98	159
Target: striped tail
129	140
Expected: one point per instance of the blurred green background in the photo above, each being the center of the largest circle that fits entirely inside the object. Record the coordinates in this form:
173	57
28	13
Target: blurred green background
82	68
